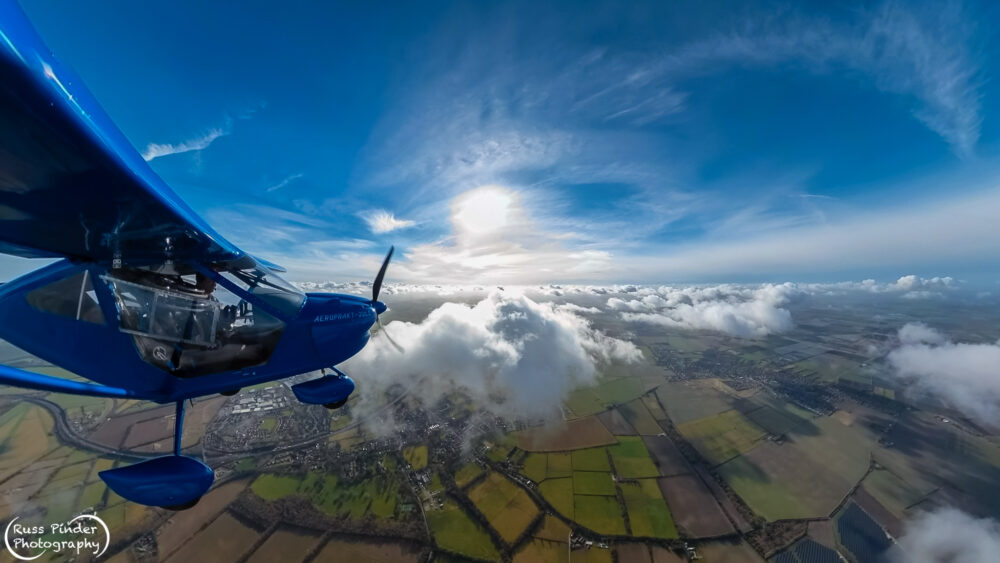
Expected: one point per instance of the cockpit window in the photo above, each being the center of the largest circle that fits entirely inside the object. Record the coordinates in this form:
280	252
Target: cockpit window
269	287
72	297
188	325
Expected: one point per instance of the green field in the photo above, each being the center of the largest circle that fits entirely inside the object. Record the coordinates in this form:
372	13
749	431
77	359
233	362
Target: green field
590	459
535	466
638	416
559	465
687	401
416	456
647	511
273	487
598	513
722	437
339	422
631	458
894	493
830	368
559	493
606	393
781	417
268	423
806	477
593	483
375	495
455	531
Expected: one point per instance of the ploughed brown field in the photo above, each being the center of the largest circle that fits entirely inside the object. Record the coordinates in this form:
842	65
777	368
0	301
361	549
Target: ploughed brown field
693	507
563	436
668	458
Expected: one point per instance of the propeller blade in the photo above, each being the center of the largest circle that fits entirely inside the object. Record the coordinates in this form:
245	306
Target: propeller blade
377	286
385	333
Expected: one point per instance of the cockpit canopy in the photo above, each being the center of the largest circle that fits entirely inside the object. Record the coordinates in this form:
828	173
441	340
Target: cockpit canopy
193	321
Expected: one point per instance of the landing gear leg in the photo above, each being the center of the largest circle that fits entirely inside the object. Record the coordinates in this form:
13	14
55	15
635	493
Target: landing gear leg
178	426
178	440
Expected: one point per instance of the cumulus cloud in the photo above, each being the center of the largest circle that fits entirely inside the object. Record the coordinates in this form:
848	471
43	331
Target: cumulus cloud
964	375
740	311
381	221
516	357
947	535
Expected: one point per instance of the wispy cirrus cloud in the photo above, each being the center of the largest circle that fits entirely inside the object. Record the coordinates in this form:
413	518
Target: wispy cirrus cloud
924	53
381	221
201	142
284	182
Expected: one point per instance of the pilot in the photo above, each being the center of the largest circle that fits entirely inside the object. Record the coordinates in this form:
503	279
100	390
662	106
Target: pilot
204	284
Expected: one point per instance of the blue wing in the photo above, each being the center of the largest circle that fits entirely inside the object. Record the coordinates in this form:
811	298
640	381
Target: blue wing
71	184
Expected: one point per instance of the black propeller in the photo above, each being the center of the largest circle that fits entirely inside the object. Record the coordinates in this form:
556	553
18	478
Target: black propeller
377	286
376	289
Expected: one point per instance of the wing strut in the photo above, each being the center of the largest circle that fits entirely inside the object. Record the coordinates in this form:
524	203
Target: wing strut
41	382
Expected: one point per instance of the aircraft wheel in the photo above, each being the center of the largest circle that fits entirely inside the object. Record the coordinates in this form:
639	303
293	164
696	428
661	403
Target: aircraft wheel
230	393
185	506
336	405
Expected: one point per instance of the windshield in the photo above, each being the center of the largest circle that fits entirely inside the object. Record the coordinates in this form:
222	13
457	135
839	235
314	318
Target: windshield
268	286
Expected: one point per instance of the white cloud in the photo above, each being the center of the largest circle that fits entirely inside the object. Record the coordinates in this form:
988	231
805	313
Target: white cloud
517	358
381	221
287	180
739	311
919	333
948	535
963	375
495	241
959	231
909	286
156	150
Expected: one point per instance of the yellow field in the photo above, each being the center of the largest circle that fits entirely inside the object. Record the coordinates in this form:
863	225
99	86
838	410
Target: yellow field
27	441
508	508
564	436
416	457
553	529
722	437
542	551
455	531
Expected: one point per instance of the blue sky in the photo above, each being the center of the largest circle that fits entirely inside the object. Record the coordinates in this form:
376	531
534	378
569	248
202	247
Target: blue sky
572	142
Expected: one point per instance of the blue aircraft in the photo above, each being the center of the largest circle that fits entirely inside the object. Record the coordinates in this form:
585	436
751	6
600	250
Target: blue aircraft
147	301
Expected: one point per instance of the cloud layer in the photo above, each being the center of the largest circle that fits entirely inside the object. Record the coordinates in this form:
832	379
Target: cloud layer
964	375
517	358
735	310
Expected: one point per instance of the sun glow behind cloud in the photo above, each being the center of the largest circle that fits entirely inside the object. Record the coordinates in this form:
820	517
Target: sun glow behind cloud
483	211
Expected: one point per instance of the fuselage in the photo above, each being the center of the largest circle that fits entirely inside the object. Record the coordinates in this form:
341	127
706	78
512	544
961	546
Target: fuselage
85	334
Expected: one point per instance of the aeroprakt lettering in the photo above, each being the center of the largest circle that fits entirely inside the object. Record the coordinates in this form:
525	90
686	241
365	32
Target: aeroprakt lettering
340	316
